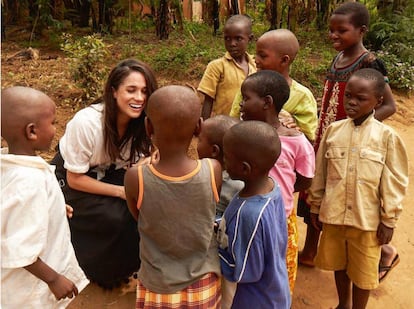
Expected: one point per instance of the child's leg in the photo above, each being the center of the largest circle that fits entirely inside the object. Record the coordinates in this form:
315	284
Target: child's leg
308	253
343	288
359	297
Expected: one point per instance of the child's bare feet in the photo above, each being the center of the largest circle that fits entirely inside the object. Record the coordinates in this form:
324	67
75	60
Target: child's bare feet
389	259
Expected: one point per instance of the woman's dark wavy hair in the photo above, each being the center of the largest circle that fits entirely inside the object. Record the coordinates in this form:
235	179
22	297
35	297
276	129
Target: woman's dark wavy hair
140	142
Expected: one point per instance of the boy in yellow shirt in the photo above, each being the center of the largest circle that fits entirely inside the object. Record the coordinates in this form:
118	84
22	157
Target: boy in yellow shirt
223	77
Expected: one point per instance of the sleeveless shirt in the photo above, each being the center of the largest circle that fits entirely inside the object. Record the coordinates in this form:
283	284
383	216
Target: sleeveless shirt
175	222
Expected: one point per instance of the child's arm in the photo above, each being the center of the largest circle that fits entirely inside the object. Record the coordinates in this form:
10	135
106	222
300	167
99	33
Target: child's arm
302	183
388	107
131	190
393	186
218	175
60	286
207	107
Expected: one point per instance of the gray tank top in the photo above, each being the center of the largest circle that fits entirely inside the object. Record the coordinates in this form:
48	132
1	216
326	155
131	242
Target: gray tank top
176	215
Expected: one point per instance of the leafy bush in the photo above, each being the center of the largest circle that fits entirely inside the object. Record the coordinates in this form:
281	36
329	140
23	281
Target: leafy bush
392	36
87	63
400	72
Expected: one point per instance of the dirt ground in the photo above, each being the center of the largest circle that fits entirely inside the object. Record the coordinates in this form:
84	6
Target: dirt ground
314	288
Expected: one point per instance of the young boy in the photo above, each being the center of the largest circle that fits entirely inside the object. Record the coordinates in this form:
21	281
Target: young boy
38	264
264	95
223	77
252	234
276	50
361	179
210	145
174	200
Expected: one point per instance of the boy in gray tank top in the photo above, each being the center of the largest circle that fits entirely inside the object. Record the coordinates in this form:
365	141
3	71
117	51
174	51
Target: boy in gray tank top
174	200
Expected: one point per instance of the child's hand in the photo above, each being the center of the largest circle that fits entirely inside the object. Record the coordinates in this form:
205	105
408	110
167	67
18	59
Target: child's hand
384	234
62	287
315	221
69	211
287	120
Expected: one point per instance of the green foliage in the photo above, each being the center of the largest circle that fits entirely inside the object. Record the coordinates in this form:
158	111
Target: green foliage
87	62
391	35
400	72
184	55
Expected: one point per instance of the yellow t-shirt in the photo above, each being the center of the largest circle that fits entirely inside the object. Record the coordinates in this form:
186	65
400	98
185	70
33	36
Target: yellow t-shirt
301	105
222	80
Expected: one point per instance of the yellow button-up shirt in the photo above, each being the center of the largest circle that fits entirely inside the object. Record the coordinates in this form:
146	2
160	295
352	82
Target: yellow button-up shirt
221	81
361	175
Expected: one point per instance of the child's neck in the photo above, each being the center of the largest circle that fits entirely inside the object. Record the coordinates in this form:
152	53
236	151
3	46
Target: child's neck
175	164
259	185
21	150
349	55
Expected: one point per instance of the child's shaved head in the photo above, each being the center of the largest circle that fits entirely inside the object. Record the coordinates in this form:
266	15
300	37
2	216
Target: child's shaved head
217	126
258	141
21	106
177	108
283	41
240	19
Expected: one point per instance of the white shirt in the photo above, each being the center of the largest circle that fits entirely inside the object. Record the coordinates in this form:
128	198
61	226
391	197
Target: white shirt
33	225
82	146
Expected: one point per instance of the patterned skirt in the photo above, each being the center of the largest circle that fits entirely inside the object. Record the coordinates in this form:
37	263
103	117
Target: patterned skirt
202	294
292	249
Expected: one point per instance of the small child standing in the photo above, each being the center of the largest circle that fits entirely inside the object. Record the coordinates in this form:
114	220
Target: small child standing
252	234
276	50
210	145
264	95
347	26
38	264
223	77
174	202
361	179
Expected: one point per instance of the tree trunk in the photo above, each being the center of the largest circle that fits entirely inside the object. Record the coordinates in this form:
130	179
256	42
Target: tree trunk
163	20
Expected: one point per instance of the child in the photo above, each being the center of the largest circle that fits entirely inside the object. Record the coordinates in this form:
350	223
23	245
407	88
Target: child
38	264
361	178
210	145
264	95
276	50
223	77
174	202
252	234
347	27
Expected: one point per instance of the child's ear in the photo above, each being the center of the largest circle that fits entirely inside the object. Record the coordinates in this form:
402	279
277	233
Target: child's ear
31	132
364	29
286	59
251	37
198	127
247	169
268	102
380	101
216	151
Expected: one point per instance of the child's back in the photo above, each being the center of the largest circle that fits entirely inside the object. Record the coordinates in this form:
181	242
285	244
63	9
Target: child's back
223	77
174	202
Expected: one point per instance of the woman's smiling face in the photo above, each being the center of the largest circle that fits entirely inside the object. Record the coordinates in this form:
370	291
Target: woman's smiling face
131	95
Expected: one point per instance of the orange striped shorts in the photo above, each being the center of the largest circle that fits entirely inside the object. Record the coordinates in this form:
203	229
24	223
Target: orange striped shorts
202	294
